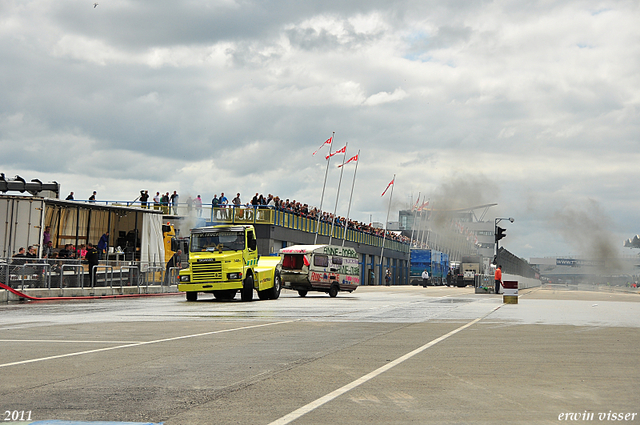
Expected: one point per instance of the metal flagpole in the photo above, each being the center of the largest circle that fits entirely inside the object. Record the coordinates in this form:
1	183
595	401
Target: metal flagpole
384	237
315	239
344	236
426	220
335	208
415	213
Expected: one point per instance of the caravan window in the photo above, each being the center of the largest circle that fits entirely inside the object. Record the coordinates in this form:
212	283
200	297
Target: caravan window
321	261
336	260
292	261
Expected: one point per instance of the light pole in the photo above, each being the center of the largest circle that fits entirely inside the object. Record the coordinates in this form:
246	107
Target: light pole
499	233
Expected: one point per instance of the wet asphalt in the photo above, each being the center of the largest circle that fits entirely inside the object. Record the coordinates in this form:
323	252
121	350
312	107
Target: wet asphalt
379	355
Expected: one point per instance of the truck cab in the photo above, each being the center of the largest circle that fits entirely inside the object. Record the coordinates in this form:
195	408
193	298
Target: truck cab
224	260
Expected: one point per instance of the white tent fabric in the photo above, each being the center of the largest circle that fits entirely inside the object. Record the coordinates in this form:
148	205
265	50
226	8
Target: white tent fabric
152	243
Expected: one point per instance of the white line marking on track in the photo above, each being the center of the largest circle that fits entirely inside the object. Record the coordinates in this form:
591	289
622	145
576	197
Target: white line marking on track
332	395
137	344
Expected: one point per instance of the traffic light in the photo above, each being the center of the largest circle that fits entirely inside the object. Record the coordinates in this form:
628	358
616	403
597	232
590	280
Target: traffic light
500	233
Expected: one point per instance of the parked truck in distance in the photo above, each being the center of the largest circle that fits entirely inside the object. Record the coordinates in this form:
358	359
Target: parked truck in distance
436	263
469	268
224	260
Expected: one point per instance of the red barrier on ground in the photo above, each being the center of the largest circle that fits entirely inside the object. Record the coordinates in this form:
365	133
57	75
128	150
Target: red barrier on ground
510	284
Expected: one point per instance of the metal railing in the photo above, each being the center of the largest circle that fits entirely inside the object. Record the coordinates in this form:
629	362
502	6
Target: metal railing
78	274
257	215
484	283
74	273
250	214
35	274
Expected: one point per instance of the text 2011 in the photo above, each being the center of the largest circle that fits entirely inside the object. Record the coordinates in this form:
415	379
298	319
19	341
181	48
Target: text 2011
16	415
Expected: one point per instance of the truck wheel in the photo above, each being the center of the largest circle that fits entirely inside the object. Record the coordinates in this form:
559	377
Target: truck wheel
192	296
274	292
333	291
302	292
263	295
247	289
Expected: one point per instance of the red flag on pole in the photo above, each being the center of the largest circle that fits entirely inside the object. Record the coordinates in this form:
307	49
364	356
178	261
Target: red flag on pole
327	142
415	207
388	186
353	158
343	150
423	206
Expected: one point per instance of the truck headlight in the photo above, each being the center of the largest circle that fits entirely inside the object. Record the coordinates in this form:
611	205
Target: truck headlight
185	278
234	276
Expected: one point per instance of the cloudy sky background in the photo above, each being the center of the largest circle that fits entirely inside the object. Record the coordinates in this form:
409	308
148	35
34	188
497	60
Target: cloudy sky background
532	105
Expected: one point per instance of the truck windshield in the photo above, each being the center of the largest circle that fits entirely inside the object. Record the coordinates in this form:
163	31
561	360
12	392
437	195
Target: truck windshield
215	241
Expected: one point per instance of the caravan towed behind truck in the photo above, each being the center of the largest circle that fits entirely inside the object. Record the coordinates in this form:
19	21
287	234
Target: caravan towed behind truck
323	268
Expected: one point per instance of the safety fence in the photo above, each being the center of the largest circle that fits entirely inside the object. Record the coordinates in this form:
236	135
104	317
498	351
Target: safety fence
24	273
484	284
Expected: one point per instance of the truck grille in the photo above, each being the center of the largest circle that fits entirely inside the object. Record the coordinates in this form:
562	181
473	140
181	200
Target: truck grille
205	272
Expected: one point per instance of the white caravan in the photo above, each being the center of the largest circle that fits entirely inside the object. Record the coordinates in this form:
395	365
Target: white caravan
323	268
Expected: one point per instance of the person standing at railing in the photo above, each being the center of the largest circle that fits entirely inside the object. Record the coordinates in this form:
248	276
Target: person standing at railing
236	205
189	205
198	204
224	202
156	201
215	202
174	202
144	197
164	202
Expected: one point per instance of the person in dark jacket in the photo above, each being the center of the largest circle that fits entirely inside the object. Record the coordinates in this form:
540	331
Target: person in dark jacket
103	243
93	259
20	258
174	261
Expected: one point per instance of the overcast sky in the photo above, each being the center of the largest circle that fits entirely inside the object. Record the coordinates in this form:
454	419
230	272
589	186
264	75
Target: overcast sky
531	105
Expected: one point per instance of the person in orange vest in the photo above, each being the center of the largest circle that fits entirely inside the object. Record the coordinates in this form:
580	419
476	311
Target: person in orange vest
498	278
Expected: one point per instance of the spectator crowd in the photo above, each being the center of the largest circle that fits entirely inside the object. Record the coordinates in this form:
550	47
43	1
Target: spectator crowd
170	204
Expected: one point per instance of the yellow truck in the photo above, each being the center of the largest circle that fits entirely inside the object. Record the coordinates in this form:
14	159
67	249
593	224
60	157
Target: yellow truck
224	260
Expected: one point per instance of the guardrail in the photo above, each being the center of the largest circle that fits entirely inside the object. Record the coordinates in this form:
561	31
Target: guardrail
79	274
28	273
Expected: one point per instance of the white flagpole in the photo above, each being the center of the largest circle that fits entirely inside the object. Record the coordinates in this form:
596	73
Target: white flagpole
424	230
415	213
335	208
384	237
344	236
315	239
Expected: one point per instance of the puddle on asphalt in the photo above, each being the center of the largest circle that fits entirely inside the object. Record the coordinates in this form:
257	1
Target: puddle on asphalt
452	300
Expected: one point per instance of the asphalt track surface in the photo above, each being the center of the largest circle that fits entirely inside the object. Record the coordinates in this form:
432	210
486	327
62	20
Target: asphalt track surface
381	355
